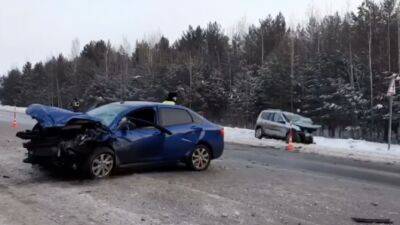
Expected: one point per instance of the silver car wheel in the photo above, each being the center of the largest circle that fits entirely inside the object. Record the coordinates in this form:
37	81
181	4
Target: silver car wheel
200	158
102	165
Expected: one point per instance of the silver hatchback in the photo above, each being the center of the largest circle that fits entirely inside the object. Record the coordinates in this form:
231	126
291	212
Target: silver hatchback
277	124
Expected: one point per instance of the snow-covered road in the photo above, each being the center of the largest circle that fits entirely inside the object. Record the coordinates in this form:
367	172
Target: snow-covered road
248	185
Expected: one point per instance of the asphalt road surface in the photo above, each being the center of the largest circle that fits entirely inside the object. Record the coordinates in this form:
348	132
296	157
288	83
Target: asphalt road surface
247	185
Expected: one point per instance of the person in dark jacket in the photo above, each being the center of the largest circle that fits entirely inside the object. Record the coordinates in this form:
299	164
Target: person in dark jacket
75	105
171	98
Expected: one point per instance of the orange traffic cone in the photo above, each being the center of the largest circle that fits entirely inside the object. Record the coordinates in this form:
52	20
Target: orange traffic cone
14	123
290	146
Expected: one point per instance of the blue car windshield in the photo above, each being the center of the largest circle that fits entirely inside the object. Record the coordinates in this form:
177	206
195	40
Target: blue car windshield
107	113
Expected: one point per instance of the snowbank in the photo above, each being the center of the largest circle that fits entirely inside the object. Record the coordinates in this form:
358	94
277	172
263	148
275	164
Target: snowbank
346	148
12	108
246	137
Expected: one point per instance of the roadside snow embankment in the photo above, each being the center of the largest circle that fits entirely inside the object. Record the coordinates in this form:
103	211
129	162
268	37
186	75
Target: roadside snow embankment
346	148
12	108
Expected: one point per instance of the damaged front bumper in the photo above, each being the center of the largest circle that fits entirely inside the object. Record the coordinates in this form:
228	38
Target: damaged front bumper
65	146
306	137
62	136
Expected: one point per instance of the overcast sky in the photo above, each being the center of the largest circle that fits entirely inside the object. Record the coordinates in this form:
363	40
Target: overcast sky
35	30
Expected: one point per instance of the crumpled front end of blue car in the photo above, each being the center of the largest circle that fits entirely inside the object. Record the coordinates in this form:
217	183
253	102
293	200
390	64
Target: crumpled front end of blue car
61	137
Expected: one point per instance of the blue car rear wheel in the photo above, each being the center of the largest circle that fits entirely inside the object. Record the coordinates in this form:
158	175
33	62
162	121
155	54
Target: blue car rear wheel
200	158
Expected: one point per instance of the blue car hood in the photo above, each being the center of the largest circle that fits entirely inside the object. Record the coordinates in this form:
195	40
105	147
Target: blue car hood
48	116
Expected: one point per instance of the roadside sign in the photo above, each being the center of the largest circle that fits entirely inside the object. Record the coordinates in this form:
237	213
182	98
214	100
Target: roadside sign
390	94
392	88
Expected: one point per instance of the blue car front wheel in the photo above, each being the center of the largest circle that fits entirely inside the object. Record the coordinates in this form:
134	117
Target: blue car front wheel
200	158
100	163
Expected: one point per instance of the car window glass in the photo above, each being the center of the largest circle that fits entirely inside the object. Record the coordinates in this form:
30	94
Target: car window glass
197	118
147	114
271	116
107	113
278	118
265	115
171	116
292	117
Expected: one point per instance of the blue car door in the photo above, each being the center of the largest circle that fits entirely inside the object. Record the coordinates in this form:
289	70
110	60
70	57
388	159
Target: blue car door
143	143
184	135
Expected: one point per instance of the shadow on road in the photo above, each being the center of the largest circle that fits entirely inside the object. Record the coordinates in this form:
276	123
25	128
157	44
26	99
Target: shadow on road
42	174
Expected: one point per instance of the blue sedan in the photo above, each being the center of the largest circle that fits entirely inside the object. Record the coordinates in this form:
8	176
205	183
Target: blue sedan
121	134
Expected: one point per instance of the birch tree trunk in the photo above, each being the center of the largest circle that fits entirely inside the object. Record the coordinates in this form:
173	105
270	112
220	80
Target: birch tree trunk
398	36
74	57
190	80
230	72
52	86
262	45
106	62
351	58
370	62
389	45
59	103
371	81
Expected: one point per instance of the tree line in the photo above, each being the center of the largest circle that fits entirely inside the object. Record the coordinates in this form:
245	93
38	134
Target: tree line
332	69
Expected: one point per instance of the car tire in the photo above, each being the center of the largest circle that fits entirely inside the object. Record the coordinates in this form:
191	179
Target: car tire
200	158
258	133
309	140
99	164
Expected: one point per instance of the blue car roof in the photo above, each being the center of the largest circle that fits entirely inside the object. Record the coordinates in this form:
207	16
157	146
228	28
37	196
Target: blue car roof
138	104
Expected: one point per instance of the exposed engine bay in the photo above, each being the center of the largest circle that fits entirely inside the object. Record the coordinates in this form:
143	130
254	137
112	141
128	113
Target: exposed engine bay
64	146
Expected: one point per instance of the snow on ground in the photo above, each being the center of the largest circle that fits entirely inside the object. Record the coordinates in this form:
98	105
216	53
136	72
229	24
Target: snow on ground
346	148
246	137
12	108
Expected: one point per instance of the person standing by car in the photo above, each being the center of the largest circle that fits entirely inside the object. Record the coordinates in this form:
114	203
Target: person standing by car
171	98
75	105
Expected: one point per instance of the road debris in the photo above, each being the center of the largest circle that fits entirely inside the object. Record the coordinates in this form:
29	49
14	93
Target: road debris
376	221
374	203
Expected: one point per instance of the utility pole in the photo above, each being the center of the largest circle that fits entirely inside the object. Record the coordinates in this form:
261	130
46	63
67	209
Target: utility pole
390	121
291	72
